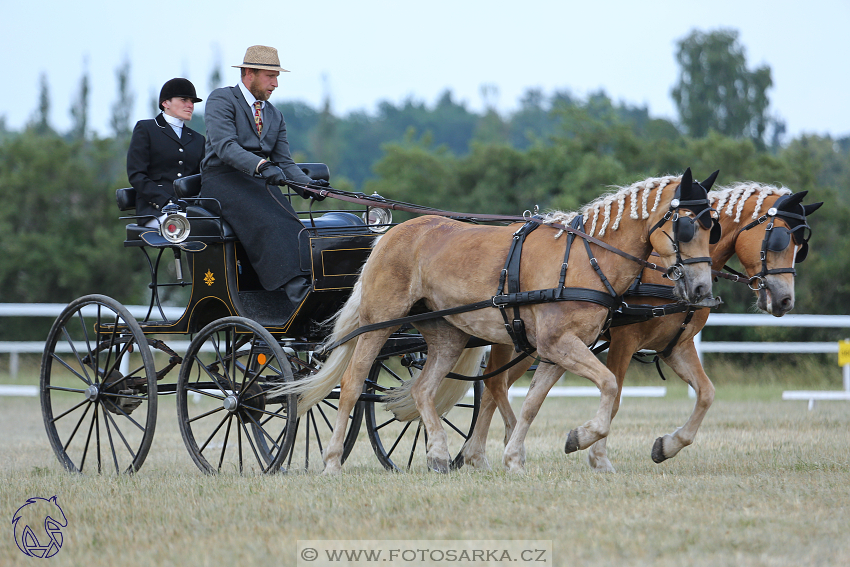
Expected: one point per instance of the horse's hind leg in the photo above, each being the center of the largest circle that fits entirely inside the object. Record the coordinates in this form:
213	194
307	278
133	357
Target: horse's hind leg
351	386
685	362
495	395
445	345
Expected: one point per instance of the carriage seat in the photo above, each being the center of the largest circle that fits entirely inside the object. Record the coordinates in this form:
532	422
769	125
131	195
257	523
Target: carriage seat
204	215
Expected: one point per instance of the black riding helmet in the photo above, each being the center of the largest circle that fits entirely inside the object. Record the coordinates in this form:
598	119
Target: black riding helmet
178	87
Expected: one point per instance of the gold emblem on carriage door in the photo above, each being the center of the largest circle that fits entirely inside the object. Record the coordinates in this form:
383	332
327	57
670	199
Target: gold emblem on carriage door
208	278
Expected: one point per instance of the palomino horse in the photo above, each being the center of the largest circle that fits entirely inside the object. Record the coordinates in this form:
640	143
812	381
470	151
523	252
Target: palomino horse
764	249
432	263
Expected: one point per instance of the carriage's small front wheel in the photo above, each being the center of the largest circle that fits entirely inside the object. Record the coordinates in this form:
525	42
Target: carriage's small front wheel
98	388
397	443
229	415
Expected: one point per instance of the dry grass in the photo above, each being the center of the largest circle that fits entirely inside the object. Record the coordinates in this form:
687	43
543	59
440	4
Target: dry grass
766	483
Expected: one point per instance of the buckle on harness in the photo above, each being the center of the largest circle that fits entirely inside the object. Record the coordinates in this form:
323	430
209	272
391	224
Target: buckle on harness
658	312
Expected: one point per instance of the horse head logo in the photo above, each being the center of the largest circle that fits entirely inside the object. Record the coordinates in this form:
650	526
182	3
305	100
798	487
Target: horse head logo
38	527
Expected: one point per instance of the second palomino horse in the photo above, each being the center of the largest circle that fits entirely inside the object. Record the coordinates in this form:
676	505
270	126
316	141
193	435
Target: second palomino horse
432	263
766	227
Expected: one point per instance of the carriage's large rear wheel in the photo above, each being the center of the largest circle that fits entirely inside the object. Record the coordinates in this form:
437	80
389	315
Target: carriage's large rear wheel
98	388
398	444
228	418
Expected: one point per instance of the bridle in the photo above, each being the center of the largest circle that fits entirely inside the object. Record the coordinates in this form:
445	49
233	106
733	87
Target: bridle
777	239
684	228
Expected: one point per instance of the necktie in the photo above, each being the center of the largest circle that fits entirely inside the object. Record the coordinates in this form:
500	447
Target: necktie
258	120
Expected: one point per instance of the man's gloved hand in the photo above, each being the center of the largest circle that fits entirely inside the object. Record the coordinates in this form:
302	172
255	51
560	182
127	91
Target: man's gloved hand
317	183
272	173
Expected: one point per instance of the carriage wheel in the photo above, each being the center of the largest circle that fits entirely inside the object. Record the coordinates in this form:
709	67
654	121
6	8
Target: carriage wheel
229	419
396	443
98	388
315	427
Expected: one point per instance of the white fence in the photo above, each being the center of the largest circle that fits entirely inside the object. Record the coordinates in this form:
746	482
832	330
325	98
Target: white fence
715	319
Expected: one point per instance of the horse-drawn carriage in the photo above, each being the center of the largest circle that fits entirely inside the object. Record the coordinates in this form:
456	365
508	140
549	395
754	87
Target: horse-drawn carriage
103	371
263	384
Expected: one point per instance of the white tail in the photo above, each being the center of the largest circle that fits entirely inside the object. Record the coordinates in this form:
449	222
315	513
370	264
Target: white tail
315	388
400	400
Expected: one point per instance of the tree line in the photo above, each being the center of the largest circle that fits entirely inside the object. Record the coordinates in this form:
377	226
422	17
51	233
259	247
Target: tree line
61	237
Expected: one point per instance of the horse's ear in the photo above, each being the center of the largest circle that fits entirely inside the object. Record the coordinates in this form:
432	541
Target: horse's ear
812	208
686	184
790	202
709	181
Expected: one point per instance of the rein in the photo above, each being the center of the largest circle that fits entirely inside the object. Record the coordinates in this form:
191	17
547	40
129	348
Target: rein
396	206
508	294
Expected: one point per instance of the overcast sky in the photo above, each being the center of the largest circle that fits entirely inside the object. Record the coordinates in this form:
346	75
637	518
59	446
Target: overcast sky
365	51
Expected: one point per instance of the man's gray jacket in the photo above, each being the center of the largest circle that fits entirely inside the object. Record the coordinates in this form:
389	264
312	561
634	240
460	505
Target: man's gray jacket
261	216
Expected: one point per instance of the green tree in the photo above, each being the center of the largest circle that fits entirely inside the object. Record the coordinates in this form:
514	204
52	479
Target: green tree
80	109
123	106
41	118
716	90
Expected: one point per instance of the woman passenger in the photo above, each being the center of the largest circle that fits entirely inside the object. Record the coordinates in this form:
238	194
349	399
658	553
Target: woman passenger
164	149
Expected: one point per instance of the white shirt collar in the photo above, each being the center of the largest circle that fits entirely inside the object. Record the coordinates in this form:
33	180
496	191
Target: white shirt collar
173	120
249	97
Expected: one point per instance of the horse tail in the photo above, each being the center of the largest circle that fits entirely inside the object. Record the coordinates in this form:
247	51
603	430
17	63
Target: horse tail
400	400
314	388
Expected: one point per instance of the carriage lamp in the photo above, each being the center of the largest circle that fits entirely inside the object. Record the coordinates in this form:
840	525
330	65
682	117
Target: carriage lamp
378	220
175	227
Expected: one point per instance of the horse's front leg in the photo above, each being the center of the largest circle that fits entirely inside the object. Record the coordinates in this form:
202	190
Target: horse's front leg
623	344
543	380
685	362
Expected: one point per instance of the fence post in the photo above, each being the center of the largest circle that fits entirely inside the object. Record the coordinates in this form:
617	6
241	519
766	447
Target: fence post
13	364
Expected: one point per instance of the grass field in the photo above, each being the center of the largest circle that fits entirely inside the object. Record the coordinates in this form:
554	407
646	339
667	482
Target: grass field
767	483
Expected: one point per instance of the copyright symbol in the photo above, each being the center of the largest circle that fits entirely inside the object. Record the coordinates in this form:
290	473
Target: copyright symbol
309	554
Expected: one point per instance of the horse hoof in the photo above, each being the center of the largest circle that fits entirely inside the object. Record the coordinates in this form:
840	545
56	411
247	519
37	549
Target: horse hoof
458	463
438	466
572	445
658	451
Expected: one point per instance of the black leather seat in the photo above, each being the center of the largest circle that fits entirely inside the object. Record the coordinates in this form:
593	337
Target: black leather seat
204	214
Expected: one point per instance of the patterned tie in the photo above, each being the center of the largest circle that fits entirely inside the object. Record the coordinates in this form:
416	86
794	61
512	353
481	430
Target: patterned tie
258	120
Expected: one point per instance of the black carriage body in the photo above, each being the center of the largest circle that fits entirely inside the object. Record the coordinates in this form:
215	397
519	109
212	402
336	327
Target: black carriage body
333	248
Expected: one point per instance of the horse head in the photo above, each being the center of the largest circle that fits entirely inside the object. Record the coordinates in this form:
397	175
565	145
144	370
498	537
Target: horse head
769	248
682	235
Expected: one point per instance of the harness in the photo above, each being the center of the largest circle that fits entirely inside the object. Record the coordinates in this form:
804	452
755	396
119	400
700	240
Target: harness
777	239
509	286
508	293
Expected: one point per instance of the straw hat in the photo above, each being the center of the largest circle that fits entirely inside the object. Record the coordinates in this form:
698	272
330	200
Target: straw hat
262	57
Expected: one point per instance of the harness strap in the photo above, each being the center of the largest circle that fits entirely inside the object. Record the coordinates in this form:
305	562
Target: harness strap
496	372
403	320
515	327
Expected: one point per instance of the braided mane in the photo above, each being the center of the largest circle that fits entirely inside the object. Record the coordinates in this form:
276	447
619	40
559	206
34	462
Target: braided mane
730	200
639	193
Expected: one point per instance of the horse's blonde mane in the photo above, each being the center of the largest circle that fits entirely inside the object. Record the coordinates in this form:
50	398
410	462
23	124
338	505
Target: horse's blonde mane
639	193
730	200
